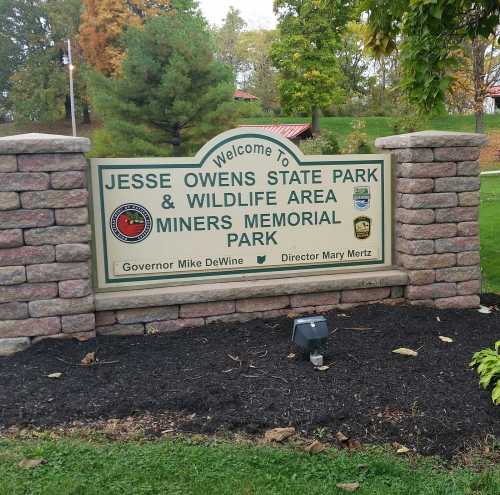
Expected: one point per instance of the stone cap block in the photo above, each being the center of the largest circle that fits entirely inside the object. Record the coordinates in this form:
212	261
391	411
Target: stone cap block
43	143
431	139
226	291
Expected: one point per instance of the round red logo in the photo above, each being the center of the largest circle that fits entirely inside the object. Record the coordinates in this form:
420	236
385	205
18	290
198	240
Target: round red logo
131	223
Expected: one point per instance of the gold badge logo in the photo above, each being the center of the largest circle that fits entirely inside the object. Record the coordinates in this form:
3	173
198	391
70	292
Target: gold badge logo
362	227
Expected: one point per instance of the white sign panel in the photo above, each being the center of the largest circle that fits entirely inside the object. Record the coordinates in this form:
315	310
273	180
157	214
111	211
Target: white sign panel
248	205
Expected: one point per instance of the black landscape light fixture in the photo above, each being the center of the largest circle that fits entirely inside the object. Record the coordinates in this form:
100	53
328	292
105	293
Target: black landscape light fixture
310	334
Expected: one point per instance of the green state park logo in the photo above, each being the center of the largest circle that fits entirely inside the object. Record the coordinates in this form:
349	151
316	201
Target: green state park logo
361	198
131	223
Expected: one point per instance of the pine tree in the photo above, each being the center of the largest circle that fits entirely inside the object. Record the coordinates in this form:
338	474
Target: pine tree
171	96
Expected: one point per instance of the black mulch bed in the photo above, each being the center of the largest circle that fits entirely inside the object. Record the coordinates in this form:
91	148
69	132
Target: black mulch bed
431	403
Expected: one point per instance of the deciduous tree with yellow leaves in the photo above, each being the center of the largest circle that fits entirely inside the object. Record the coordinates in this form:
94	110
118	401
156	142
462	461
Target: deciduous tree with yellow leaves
305	53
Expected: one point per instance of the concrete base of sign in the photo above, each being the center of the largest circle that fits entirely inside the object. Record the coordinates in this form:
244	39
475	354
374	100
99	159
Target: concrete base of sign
170	309
201	293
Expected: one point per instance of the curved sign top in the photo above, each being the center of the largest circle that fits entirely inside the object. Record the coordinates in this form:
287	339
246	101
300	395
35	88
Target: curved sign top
248	205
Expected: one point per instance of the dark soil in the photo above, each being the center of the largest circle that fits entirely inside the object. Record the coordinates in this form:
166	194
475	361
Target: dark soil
240	378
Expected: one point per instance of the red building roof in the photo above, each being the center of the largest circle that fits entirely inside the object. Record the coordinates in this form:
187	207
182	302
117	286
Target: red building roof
494	91
242	95
290	131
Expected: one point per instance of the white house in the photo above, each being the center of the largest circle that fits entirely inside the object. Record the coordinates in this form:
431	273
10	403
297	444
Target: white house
492	101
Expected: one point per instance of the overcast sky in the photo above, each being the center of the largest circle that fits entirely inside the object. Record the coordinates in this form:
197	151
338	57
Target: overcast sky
257	13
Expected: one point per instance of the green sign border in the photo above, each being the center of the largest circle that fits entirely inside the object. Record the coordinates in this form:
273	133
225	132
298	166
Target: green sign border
189	275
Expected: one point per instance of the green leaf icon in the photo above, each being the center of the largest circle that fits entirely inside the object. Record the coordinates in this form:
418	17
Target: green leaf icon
261	259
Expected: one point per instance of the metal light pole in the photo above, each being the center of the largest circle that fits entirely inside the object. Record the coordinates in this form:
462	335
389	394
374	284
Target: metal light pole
71	68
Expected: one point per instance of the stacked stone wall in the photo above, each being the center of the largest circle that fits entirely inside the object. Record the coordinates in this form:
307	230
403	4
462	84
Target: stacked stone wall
45	288
437	216
161	319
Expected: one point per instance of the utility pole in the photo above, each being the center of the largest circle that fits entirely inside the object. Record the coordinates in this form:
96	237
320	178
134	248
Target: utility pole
71	68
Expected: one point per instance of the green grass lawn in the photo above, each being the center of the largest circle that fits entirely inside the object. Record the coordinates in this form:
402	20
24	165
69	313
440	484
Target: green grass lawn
490	232
382	126
182	467
341	126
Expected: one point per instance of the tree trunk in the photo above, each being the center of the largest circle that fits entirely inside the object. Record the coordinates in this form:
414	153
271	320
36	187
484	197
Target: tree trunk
479	114
316	113
478	53
67	107
384	75
176	141
86	113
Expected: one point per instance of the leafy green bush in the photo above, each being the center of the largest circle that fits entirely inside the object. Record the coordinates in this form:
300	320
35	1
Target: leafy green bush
408	119
311	146
487	364
407	123
325	144
128	141
357	140
249	109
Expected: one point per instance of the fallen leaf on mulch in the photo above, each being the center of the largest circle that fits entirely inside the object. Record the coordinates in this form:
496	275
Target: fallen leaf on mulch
348	487
31	463
341	437
278	434
322	368
54	375
346	442
198	438
152	330
405	352
353	444
400	448
315	447
445	339
89	359
484	309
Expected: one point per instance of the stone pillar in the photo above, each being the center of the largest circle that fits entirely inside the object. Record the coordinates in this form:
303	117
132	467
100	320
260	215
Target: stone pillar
44	240
437	215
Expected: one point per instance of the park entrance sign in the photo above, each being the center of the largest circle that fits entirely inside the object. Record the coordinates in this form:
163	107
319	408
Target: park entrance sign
248	205
248	228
